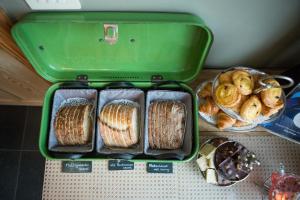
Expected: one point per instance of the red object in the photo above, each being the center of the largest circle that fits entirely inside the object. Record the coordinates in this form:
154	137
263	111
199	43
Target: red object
284	186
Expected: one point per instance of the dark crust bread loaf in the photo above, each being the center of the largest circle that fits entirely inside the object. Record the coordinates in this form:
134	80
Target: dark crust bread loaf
73	125
166	124
118	125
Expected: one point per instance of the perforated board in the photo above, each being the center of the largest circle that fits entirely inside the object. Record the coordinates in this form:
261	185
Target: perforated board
186	181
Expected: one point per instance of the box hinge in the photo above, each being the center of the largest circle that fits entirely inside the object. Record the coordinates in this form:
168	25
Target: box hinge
82	78
156	78
81	81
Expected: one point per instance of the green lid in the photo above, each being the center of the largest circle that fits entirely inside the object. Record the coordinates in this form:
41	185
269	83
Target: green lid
113	46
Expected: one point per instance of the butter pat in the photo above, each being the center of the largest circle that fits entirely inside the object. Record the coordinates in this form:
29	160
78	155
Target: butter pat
211	176
208	151
202	163
211	163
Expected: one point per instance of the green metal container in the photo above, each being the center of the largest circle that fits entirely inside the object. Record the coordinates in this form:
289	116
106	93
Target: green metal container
92	49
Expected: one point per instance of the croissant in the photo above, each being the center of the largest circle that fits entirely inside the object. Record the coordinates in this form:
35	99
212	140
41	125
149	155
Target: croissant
206	91
271	96
243	81
239	123
227	95
209	107
224	121
267	111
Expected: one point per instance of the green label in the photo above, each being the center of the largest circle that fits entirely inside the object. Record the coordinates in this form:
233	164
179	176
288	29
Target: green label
76	166
158	167
120	165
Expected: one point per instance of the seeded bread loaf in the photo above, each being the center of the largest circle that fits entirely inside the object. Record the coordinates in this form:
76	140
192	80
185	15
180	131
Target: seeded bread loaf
73	125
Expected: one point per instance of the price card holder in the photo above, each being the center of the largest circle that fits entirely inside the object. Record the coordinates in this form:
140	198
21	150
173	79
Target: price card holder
159	167
76	166
120	165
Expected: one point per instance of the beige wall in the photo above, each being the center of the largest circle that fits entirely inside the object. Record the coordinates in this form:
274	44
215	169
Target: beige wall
262	33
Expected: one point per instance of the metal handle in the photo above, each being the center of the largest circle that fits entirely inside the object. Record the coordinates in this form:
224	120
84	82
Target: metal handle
265	86
111	33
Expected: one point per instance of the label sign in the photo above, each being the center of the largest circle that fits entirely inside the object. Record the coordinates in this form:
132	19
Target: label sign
120	165
158	167
76	166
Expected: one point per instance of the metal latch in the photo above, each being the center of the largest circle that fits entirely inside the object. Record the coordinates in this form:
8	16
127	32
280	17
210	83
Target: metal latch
111	33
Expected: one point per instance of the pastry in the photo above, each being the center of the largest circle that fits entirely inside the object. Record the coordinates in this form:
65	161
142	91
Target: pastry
209	107
119	125
227	95
267	111
225	77
166	124
243	81
271	96
239	123
237	107
224	121
251	108
73	125
206	91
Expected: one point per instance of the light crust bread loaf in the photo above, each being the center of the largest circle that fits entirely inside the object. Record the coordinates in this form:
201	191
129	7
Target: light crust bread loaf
73	125
118	125
166	124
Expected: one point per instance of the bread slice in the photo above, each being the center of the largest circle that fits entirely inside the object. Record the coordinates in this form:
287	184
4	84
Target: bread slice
73	125
119	125
166	124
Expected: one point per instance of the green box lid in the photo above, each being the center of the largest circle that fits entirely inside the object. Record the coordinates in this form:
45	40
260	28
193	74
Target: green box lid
114	46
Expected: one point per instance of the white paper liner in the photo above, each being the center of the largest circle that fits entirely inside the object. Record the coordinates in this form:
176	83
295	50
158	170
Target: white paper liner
212	120
131	96
260	119
186	99
72	97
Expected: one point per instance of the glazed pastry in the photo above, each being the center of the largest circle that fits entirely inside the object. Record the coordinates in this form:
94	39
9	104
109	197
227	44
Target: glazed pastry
119	125
271	96
227	95
237	107
225	77
206	91
251	108
73	125
209	107
268	112
166	124
239	123
243	81
224	121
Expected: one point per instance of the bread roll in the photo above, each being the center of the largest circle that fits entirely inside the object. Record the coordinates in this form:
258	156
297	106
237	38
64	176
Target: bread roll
227	95
244	81
118	125
73	125
251	108
271	96
166	124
